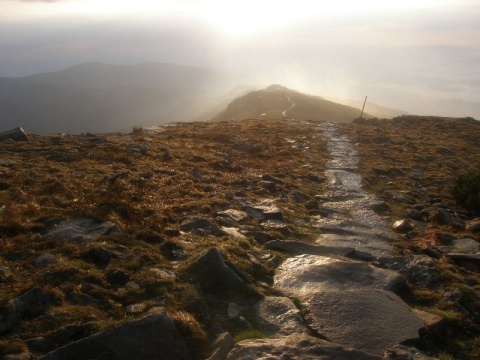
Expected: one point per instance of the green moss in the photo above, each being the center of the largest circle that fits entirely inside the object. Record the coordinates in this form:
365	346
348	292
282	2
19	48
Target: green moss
249	334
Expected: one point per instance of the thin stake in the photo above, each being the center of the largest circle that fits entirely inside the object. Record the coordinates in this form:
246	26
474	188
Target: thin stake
363	106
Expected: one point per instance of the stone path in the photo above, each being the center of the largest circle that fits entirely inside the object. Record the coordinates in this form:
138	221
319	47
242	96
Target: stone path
348	309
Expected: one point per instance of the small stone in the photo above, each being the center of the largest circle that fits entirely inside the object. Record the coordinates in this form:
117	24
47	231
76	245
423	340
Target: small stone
44	260
163	274
234	310
5	273
473	225
402	226
443	217
136	309
117	277
100	255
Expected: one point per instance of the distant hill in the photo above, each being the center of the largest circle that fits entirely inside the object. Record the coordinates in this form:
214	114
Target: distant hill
97	97
373	109
280	102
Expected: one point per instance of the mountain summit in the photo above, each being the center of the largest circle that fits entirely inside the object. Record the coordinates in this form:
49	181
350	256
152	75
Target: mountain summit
277	101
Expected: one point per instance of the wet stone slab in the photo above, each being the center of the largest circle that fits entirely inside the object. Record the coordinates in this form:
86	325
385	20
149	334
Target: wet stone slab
307	274
295	346
279	315
368	320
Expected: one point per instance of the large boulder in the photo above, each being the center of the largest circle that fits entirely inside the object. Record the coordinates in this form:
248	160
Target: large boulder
14	134
211	271
150	338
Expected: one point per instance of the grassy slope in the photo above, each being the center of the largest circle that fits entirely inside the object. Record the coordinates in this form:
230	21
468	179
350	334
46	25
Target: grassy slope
108	178
271	103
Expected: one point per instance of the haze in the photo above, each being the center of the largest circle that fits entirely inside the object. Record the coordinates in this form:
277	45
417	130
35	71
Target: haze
418	56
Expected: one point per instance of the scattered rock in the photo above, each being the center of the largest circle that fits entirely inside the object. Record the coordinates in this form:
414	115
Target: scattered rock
44	260
237	215
15	309
136	309
81	230
226	222
80	299
173	251
163	274
221	346
279	316
234	310
404	199
272	224
203	227
443	217
473	225
418	269
117	277
233	232
463	246
402	352
153	337
365	319
299	248
300	197
17	134
18	356
5	273
211	271
151	237
402	226
263	211
18	255
296	346
99	255
61	337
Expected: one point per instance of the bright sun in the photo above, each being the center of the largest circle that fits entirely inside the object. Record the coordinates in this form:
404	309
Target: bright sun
233	18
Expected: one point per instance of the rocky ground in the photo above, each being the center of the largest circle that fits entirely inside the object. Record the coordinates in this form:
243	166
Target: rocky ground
194	231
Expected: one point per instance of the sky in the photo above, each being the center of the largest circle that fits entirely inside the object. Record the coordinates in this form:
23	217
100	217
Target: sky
402	54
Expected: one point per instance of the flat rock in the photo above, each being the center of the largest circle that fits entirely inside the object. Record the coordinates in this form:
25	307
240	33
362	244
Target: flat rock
203	227
370	320
306	274
279	316
81	230
265	210
463	246
150	338
402	352
298	247
221	346
296	346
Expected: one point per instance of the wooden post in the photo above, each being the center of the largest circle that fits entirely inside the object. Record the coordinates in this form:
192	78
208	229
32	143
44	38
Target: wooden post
363	108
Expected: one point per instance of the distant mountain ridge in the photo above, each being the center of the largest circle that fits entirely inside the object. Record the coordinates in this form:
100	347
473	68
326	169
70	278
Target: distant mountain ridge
98	97
277	101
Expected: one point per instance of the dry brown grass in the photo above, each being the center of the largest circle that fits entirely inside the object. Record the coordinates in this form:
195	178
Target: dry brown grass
144	183
428	152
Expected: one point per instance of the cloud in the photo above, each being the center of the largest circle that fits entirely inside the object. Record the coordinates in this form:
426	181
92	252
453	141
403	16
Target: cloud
41	1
